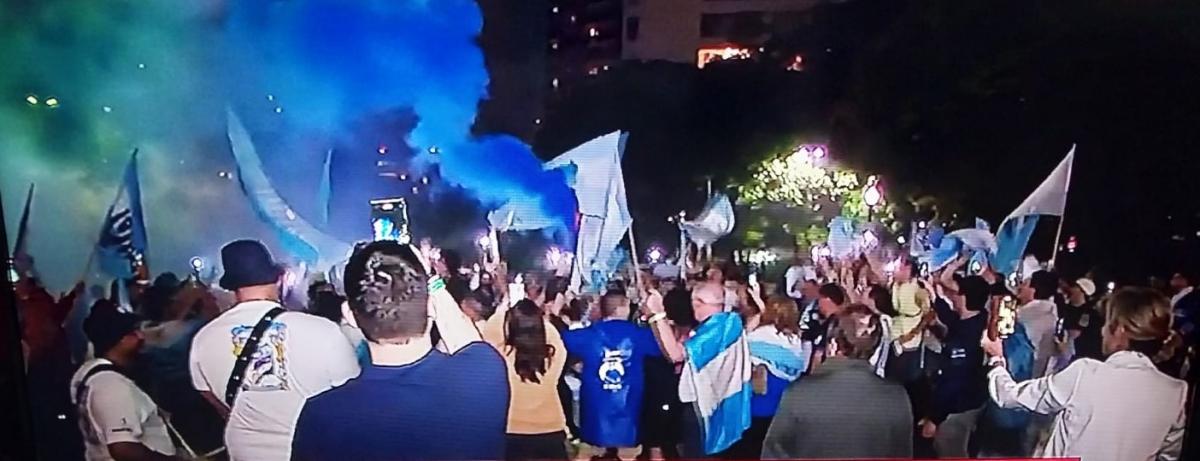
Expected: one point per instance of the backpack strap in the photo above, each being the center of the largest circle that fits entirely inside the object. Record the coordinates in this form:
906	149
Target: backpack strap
82	386
243	361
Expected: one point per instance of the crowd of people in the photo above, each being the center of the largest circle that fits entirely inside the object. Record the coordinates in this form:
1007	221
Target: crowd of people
411	355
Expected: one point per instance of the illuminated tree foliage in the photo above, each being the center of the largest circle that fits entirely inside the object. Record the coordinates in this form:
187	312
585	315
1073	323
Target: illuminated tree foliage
798	193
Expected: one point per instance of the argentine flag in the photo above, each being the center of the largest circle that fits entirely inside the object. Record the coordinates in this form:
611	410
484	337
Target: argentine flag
716	380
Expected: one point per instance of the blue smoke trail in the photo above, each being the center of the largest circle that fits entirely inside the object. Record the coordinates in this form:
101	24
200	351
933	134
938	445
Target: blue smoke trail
331	63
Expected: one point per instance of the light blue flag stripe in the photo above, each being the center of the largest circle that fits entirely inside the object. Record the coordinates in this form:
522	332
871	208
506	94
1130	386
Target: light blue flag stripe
727	423
716	334
1011	240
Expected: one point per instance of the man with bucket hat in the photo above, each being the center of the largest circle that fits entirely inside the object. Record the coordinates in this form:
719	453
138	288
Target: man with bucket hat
258	363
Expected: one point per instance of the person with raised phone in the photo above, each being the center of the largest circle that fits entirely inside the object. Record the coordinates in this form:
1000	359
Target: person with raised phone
413	401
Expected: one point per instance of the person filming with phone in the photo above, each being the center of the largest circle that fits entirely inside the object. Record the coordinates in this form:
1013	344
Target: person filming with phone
1095	403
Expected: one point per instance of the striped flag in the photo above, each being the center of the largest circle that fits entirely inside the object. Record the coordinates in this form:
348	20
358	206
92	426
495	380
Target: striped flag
1049	199
716	380
122	242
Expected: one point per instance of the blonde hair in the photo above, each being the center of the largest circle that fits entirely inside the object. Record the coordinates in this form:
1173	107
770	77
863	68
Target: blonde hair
782	312
1145	316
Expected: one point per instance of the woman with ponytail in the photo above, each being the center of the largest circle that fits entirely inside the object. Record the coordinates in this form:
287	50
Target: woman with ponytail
534	352
1121	409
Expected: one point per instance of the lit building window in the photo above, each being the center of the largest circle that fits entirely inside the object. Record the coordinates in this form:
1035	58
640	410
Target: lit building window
705	56
537	121
554	82
554	45
606	67
554	10
594	71
572	19
592	32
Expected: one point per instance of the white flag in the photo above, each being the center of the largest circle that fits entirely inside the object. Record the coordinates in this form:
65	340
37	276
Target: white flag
1050	198
714	222
604	213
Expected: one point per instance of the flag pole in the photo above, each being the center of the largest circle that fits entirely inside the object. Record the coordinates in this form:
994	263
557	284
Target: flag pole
637	269
1063	218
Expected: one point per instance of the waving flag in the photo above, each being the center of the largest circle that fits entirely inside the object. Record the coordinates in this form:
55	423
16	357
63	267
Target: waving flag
300	238
714	222
716	378
122	239
599	186
1049	199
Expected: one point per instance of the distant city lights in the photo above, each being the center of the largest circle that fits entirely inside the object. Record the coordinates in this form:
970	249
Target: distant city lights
705	56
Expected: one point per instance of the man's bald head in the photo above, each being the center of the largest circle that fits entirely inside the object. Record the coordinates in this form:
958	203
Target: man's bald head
708	298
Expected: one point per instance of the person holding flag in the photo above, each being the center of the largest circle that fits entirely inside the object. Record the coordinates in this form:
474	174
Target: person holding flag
716	371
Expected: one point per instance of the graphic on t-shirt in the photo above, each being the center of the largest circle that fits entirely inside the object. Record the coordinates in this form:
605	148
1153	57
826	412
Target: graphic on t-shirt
612	369
268	365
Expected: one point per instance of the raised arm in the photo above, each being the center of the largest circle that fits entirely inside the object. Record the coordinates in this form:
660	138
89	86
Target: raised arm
1045	395
671	347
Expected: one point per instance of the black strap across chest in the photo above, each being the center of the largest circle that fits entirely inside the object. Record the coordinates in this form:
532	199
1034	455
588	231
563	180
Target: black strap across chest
243	361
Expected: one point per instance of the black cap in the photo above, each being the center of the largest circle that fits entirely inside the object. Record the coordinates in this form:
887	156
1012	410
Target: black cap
247	263
105	326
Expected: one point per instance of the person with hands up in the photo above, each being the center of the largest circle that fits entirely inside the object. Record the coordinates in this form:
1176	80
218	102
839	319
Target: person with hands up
1095	403
716	371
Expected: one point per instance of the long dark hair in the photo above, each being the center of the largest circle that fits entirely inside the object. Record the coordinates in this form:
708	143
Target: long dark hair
525	336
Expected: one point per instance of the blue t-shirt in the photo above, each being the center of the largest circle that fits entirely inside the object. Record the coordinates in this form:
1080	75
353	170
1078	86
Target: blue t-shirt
441	407
610	399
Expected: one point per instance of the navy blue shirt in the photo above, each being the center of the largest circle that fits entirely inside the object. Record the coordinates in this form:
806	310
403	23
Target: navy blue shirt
441	407
613	354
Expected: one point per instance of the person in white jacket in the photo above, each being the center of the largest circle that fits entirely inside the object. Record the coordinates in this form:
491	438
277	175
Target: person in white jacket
1121	409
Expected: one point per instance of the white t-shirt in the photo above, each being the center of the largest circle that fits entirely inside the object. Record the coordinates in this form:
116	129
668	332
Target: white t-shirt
299	356
1040	318
113	410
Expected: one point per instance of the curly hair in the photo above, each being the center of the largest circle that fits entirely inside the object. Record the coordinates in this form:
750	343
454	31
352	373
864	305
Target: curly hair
386	287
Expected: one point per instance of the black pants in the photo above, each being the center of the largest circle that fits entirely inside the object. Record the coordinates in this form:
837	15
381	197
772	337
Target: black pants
536	446
692	442
751	444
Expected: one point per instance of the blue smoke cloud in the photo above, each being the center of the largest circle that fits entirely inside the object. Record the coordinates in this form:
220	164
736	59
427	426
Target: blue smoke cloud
305	75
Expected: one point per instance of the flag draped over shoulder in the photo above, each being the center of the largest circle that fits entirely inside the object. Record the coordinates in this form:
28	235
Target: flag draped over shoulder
1049	199
716	378
122	238
785	356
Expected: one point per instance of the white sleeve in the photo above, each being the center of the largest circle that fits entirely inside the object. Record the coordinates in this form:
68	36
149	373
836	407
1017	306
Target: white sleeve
113	411
1172	445
1047	395
343	360
792	277
199	381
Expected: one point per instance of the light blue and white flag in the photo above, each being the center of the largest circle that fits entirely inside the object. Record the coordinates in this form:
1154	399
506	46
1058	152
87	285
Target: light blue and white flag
1049	199
716	380
301	239
715	221
599	187
785	356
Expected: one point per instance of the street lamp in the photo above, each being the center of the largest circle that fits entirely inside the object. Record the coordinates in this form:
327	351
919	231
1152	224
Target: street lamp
872	196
